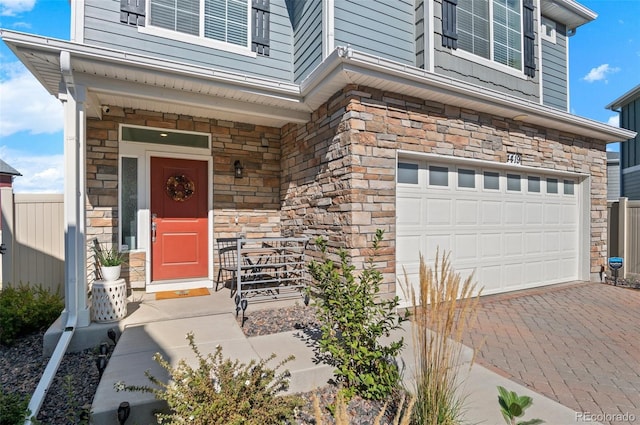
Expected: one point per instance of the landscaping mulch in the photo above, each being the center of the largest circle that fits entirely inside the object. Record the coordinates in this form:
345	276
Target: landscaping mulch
74	386
301	317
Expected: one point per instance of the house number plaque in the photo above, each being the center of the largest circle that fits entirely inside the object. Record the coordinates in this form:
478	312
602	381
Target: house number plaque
514	158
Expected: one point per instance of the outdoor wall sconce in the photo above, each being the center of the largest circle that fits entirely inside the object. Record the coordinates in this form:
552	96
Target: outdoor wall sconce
237	166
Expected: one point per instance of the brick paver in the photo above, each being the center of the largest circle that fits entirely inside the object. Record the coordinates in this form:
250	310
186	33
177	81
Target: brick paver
576	343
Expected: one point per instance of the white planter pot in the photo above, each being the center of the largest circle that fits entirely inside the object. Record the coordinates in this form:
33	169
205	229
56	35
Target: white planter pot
111	273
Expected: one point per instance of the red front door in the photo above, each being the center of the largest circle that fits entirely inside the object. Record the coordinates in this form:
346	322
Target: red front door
179	235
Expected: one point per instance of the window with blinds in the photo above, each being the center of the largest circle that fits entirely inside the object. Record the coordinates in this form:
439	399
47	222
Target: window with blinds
220	20
491	29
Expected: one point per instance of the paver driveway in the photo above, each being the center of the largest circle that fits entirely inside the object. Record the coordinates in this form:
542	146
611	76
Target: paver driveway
576	343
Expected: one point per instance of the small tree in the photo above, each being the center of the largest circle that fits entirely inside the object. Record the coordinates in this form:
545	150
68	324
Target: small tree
353	320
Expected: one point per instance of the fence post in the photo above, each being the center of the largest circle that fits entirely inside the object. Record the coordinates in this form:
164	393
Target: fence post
8	232
623	238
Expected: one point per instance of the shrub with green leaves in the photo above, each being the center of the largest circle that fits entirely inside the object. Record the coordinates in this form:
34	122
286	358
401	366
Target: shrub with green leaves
220	391
13	408
513	406
25	309
353	320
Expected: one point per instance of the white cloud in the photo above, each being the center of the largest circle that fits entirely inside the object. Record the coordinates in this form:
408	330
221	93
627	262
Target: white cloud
22	25
614	120
40	174
14	7
600	73
25	105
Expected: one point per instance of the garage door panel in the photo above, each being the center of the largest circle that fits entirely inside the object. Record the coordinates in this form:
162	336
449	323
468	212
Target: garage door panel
466	247
551	242
514	213
533	272
533	242
552	214
406	210
491	245
467	212
513	274
533	213
489	277
440	242
439	211
513	243
512	239
408	250
570	214
491	212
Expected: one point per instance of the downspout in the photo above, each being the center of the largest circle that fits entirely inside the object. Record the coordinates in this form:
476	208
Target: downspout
76	313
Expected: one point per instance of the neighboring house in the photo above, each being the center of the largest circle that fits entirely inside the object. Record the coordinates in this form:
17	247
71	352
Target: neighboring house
613	176
444	122
7	173
628	105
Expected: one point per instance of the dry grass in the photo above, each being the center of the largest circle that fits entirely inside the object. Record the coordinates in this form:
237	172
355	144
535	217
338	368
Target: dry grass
443	309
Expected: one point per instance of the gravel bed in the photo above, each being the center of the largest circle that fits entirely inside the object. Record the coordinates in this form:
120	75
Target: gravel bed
72	390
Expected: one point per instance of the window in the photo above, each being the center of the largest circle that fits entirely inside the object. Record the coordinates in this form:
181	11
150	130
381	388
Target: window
513	182
129	203
491	180
498	30
534	184
225	21
466	178
568	187
491	29
407	173
552	185
548	30
438	176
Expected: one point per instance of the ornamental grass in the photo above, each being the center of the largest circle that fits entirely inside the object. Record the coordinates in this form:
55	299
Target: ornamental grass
441	311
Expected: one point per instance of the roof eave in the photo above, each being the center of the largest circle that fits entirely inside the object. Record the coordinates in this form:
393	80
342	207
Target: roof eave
625	99
456	92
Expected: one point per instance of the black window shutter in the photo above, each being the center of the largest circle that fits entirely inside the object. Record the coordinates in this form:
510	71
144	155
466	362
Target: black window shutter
529	38
132	12
449	30
260	22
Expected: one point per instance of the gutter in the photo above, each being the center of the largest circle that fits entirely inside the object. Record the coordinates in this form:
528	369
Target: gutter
74	243
347	60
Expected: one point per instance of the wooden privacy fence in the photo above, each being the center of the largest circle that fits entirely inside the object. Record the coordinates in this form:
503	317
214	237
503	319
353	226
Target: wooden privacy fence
623	232
33	236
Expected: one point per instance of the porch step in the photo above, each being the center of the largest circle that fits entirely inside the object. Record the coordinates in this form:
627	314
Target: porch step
137	345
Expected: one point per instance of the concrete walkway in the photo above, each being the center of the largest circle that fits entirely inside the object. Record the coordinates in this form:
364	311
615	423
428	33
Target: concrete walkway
578	344
157	326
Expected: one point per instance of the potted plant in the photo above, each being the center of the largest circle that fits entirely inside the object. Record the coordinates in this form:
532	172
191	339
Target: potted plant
110	263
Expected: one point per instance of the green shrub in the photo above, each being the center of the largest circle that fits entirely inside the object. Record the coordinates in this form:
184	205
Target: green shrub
13	408
25	309
512	406
353	320
220	391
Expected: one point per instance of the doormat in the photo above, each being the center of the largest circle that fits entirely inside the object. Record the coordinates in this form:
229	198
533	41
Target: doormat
182	293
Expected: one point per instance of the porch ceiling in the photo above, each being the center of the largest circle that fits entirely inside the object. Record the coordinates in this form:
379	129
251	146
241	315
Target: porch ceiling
117	78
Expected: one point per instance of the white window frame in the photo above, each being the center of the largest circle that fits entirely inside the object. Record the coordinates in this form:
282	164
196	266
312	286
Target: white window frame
545	24
490	62
200	39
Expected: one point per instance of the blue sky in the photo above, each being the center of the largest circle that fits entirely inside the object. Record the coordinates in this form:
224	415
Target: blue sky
604	64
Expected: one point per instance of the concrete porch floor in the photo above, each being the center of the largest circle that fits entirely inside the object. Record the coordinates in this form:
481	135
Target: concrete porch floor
161	326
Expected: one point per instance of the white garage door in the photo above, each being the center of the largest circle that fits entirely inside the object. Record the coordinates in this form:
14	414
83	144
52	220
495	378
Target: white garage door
514	228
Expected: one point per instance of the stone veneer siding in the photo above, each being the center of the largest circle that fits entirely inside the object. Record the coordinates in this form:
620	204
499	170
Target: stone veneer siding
253	200
339	169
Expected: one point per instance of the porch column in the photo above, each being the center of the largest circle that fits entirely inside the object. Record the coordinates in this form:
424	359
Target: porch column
73	99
